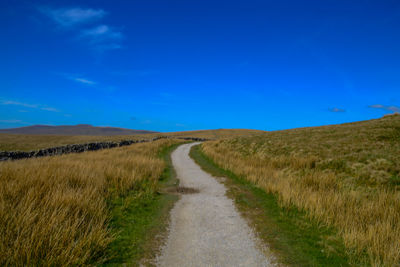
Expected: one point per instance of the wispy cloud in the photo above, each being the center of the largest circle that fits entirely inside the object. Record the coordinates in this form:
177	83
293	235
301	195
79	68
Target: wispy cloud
387	108
79	78
337	110
67	17
102	32
11	121
50	109
103	37
28	105
82	80
100	37
16	103
76	77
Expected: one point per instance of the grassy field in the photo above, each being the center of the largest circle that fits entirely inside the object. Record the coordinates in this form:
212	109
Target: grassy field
215	134
66	210
343	176
293	239
327	195
13	142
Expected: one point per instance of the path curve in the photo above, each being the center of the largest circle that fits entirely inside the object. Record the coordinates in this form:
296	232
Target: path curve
206	229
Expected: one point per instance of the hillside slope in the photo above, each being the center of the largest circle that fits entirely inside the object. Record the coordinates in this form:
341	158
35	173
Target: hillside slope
346	176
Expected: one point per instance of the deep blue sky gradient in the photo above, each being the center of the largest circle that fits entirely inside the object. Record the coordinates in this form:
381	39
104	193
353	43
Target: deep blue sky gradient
185	65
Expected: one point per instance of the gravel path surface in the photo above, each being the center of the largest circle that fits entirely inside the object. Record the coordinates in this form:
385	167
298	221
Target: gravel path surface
206	229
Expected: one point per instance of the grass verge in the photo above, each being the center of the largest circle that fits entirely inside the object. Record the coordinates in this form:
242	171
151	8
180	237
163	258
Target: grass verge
140	222
293	238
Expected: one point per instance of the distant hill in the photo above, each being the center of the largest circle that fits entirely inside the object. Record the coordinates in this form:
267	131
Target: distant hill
80	129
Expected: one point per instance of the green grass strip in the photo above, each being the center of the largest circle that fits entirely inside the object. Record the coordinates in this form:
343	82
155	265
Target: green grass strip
139	217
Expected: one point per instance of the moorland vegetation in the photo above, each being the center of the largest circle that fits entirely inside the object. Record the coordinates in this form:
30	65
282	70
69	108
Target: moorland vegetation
56	211
343	176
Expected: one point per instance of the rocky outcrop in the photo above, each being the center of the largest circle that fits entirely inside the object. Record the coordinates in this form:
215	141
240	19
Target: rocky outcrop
78	148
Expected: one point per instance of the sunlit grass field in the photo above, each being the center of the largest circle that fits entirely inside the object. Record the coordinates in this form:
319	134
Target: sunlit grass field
19	142
346	176
14	142
55	211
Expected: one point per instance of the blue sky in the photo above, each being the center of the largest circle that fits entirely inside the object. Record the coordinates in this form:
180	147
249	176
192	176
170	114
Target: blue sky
186	65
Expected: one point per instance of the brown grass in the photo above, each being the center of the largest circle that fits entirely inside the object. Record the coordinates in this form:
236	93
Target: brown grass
25	142
13	142
54	211
346	176
215	134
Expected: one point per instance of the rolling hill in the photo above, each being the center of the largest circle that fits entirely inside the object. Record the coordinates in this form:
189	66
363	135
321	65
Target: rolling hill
80	129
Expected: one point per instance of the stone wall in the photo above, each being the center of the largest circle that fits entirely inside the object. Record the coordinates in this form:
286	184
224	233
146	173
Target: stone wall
78	148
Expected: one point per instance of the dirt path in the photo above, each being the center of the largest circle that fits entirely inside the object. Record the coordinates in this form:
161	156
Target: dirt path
206	229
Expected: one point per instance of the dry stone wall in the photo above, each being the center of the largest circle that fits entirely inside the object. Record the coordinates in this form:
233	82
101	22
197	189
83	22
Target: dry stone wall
78	148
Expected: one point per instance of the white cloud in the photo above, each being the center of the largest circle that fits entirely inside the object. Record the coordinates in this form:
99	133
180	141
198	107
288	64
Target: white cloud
84	81
103	32
393	108
337	110
388	108
100	38
377	106
75	77
11	121
103	37
68	17
16	103
50	109
27	105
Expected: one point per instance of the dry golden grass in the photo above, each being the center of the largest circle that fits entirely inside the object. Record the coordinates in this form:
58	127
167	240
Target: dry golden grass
13	142
346	176
215	134
25	142
53	210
